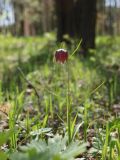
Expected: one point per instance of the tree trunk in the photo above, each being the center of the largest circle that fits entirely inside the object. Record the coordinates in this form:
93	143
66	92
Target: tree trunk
64	10
47	15
19	23
77	19
27	24
86	22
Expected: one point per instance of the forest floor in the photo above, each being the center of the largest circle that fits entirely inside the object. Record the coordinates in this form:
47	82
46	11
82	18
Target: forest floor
53	111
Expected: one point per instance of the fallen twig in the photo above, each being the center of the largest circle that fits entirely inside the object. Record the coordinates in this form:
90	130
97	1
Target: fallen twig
30	84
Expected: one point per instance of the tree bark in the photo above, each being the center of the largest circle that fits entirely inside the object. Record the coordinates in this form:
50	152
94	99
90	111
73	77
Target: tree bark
64	10
19	23
86	22
47	15
78	19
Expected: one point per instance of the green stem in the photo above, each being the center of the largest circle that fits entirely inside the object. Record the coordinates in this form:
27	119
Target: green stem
68	106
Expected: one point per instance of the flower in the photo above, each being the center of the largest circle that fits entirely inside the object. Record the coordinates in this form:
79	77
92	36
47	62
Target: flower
61	55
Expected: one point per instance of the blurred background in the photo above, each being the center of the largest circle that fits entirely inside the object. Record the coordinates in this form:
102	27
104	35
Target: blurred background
67	18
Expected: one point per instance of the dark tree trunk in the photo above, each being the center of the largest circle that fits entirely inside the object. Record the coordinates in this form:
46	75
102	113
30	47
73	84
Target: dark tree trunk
110	19
19	23
64	10
86	22
78	19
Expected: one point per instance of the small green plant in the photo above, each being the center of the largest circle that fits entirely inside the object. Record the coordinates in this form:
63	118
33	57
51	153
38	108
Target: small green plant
107	143
55	149
61	56
4	138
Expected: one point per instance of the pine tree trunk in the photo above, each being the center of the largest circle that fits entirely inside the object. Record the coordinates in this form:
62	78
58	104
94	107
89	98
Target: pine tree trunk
64	10
86	22
78	19
27	24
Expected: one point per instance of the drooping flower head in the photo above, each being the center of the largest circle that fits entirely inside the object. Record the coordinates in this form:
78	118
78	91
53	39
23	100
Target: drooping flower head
61	55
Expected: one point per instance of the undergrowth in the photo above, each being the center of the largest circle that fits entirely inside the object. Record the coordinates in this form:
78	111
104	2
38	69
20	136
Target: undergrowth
33	121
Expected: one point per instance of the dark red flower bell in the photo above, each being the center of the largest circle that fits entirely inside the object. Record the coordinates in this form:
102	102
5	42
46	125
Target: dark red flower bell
61	55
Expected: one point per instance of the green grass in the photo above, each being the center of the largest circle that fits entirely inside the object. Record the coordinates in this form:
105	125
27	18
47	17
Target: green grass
75	116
